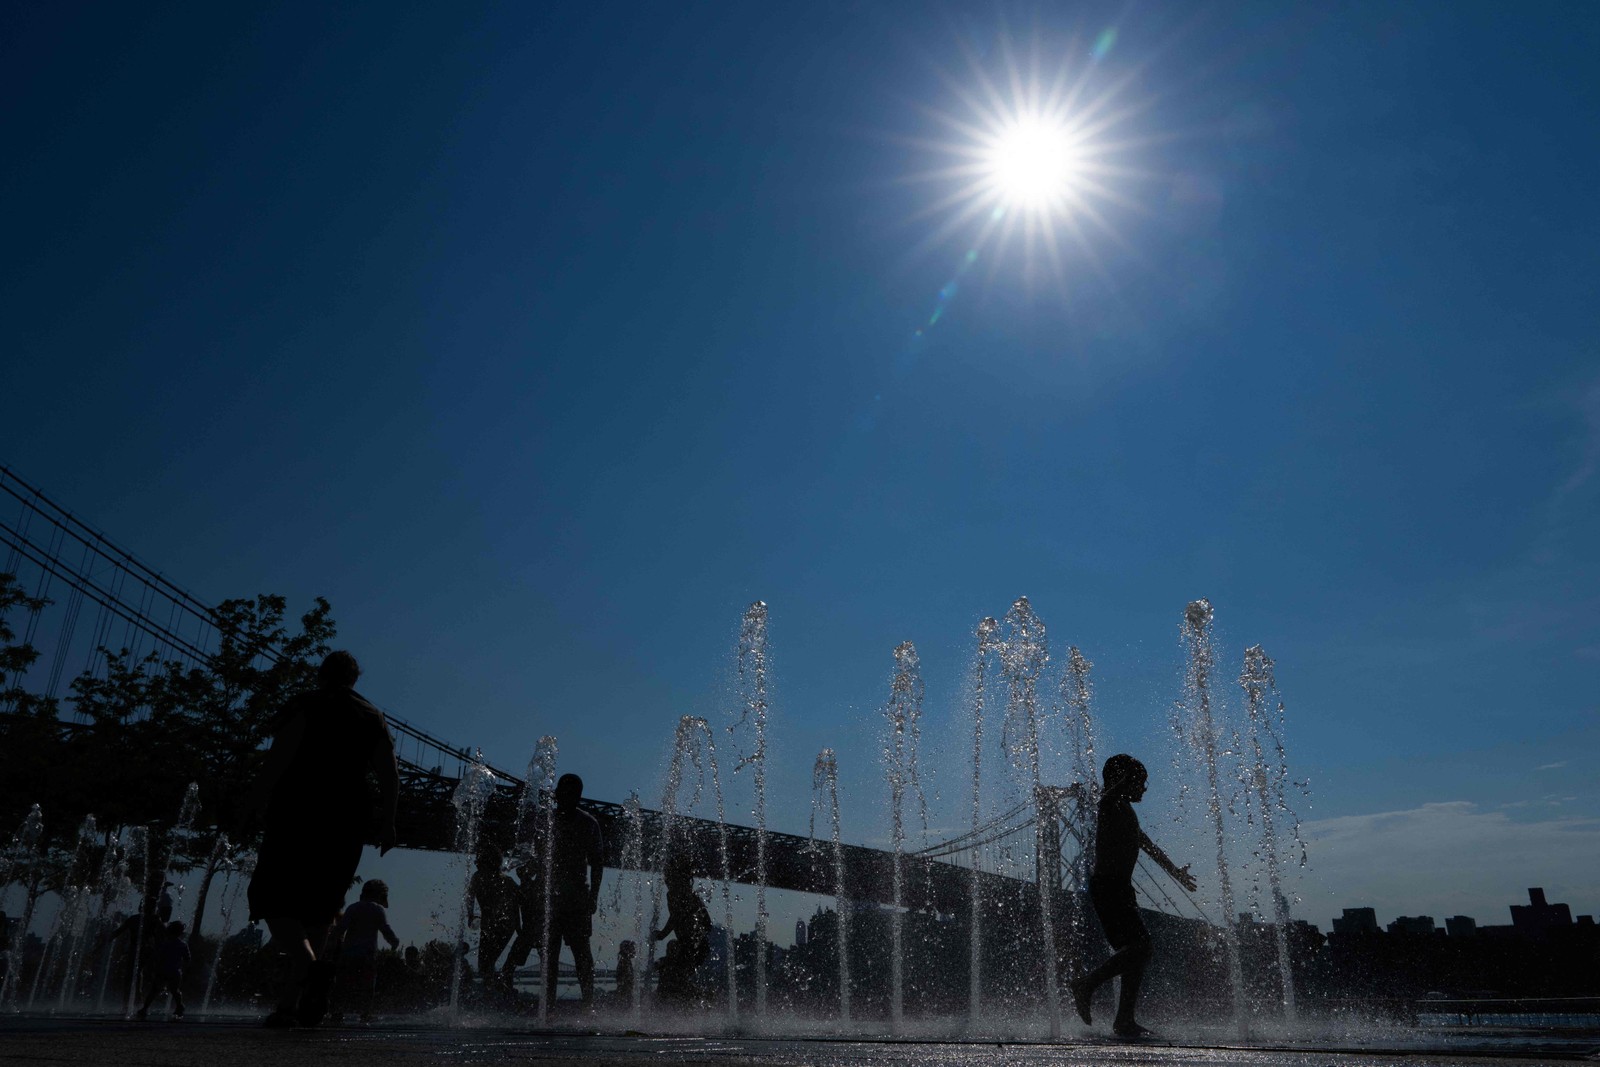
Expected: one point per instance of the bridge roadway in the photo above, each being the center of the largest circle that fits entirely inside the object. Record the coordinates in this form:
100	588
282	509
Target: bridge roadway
426	820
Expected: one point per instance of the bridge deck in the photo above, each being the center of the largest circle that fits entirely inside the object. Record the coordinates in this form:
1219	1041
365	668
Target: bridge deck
427	821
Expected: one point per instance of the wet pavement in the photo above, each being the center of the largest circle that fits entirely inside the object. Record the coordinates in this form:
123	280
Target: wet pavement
242	1043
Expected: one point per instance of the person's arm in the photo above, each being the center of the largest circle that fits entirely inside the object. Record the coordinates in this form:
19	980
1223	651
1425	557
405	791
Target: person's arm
388	773
597	867
389	934
665	931
1180	874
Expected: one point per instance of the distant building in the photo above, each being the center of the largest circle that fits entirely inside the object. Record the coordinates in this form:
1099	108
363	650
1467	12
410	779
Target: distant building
800	933
1356	921
1537	916
1461	926
1413	925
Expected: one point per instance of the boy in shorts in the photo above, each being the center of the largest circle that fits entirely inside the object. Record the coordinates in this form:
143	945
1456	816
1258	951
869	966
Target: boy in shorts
1118	841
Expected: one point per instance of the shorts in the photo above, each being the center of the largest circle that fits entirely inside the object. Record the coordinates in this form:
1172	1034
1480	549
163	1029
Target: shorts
304	868
1118	909
571	922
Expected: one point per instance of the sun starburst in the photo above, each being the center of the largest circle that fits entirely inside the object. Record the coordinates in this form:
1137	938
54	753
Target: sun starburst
1035	151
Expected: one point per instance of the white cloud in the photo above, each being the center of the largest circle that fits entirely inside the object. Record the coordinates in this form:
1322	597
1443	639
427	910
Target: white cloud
1551	766
1448	859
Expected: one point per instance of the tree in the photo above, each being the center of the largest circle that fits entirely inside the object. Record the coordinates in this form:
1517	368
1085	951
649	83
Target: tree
17	656
149	726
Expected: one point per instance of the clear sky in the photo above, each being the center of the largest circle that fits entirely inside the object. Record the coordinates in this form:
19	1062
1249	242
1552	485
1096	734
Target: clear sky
543	338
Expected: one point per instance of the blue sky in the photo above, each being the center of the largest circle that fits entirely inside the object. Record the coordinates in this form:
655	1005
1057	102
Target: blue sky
542	341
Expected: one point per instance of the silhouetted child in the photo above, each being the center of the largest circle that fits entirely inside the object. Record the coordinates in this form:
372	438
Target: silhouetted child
496	897
627	951
164	904
1118	841
358	929
530	906
168	959
688	919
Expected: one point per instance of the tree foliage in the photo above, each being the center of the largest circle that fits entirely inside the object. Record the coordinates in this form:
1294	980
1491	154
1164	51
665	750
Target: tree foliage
147	726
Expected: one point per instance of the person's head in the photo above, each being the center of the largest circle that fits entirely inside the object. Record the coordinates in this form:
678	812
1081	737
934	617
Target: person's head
569	790
1125	777
339	671
413	956
489	858
375	890
680	870
627	950
175	930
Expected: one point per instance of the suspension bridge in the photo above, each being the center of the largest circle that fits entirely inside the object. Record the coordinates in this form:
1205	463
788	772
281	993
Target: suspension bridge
102	597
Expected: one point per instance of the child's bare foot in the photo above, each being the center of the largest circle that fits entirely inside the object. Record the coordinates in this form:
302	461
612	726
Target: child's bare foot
1080	999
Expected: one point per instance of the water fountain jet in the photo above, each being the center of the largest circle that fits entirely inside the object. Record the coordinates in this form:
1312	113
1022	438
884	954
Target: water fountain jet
752	661
69	915
987	630
693	736
471	798
1077	694
236	882
825	789
904	712
1024	654
1267	776
1197	728
23	854
535	838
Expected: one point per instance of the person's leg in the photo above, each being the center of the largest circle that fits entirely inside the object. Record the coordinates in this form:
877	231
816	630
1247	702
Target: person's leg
177	997
320	975
583	960
489	952
1118	912
552	966
369	986
521	948
1135	957
289	939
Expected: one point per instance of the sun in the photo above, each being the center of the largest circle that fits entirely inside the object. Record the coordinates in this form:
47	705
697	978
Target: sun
1040	151
1033	164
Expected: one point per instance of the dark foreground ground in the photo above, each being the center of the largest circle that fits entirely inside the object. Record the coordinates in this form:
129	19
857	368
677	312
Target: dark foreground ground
242	1044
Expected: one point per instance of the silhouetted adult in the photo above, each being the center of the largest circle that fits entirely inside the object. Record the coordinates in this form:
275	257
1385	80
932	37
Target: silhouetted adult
1118	840
576	866
317	813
